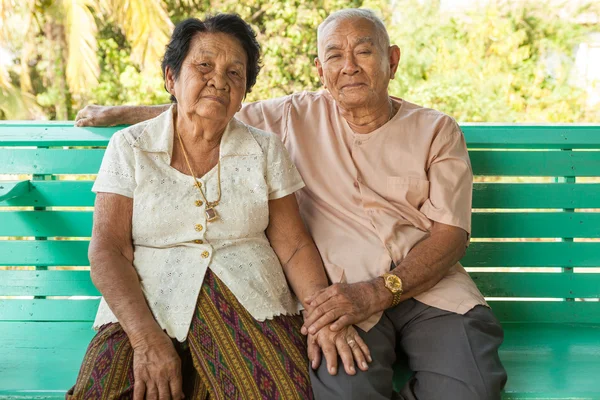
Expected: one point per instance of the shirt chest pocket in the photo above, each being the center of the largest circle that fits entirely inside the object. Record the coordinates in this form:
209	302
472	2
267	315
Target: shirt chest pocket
402	189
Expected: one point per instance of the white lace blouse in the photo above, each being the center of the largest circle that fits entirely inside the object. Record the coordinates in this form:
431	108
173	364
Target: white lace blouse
174	244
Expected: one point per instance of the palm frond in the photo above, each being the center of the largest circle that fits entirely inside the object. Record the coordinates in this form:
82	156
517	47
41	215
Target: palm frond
146	26
15	103
82	64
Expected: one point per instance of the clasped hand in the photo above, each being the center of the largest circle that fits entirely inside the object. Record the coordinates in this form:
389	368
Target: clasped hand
328	322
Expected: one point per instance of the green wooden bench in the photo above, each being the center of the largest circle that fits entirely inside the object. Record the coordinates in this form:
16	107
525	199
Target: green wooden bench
535	254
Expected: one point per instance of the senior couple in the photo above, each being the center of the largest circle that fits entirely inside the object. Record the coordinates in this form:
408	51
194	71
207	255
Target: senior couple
200	250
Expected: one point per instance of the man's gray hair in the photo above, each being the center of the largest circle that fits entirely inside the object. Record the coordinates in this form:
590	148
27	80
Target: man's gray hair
357	13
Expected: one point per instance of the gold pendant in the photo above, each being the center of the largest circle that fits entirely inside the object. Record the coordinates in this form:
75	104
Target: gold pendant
211	214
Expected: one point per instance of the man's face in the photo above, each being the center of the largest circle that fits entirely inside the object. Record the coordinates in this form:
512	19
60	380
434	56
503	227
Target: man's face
354	64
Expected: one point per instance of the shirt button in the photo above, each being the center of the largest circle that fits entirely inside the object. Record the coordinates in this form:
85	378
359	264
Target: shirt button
359	143
199	227
356	184
198	241
199	203
205	254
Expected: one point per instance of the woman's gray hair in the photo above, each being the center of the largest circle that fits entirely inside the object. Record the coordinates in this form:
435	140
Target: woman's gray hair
357	13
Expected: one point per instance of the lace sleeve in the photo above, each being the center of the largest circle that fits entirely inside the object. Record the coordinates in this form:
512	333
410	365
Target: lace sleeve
282	176
117	172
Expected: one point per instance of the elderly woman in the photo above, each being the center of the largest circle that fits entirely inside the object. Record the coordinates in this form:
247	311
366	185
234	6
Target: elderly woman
196	236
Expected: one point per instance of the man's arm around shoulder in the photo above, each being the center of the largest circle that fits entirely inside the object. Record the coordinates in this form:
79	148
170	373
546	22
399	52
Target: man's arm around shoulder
94	115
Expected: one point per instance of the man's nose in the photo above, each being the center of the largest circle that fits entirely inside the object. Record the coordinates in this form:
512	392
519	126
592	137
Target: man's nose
350	66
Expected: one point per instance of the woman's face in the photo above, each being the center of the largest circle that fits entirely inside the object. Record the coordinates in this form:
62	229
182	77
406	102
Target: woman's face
212	80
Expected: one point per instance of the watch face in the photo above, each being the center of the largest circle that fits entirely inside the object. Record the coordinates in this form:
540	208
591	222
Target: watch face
393	283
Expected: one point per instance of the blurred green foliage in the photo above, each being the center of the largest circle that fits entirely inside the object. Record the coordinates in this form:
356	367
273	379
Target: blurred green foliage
502	63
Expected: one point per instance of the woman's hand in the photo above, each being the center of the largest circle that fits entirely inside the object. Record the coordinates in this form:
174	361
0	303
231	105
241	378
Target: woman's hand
156	369
346	343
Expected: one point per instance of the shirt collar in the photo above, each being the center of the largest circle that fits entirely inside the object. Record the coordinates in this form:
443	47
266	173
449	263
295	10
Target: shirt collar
159	133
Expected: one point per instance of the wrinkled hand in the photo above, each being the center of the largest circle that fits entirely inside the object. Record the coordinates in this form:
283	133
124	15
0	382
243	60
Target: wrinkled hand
346	343
157	369
95	116
342	305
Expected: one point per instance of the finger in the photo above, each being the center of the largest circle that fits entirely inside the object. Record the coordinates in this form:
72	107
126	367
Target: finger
326	319
318	313
139	389
344	321
331	356
324	295
364	348
314	354
151	392
85	122
164	391
358	355
345	353
310	298
176	385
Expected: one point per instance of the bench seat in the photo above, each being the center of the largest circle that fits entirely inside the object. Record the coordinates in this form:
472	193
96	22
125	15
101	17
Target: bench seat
544	361
535	254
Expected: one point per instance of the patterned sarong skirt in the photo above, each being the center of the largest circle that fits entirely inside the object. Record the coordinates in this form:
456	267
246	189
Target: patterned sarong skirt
228	355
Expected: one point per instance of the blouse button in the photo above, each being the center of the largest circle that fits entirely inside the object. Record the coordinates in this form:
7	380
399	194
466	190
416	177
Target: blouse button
198	241
205	254
199	227
199	203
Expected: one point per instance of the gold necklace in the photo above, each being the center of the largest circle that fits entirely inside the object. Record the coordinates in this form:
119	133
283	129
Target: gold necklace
211	213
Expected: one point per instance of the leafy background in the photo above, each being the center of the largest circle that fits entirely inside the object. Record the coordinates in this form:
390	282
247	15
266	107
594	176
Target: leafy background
511	61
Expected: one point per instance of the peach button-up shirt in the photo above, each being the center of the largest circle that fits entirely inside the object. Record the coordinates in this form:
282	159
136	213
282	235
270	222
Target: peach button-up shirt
370	198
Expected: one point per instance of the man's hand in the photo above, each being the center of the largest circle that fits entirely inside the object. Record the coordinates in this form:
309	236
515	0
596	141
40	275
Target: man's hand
96	116
345	304
346	343
156	369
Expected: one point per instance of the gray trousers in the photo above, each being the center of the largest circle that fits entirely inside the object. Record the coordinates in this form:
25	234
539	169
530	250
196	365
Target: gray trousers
453	356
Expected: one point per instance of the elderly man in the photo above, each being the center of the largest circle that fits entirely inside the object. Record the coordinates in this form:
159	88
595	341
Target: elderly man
388	203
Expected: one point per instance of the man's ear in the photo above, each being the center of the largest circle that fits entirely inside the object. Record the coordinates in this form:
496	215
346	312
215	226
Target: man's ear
394	59
320	72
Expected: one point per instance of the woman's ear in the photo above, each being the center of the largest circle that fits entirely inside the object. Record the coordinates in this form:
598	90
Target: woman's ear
169	81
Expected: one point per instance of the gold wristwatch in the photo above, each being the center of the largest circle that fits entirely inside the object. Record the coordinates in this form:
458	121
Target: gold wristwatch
394	285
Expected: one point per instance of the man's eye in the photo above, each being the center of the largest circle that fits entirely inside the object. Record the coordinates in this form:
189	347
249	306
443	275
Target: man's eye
333	56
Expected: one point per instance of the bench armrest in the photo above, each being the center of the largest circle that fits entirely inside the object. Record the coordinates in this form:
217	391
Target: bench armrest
10	190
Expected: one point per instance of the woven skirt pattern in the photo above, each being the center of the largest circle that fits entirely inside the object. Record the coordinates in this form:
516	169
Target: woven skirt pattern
228	355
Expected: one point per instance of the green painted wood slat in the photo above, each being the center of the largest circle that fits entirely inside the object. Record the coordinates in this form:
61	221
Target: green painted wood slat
535	225
523	136
485	163
48	310
506	311
479	254
541	312
536	195
47	283
485	225
50	161
492	284
535	163
56	193
532	254
485	195
537	284
46	223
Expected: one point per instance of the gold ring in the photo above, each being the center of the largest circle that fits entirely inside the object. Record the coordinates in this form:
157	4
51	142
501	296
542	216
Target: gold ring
351	342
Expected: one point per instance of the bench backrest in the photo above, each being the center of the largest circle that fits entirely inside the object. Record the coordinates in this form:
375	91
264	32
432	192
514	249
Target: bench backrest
535	250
